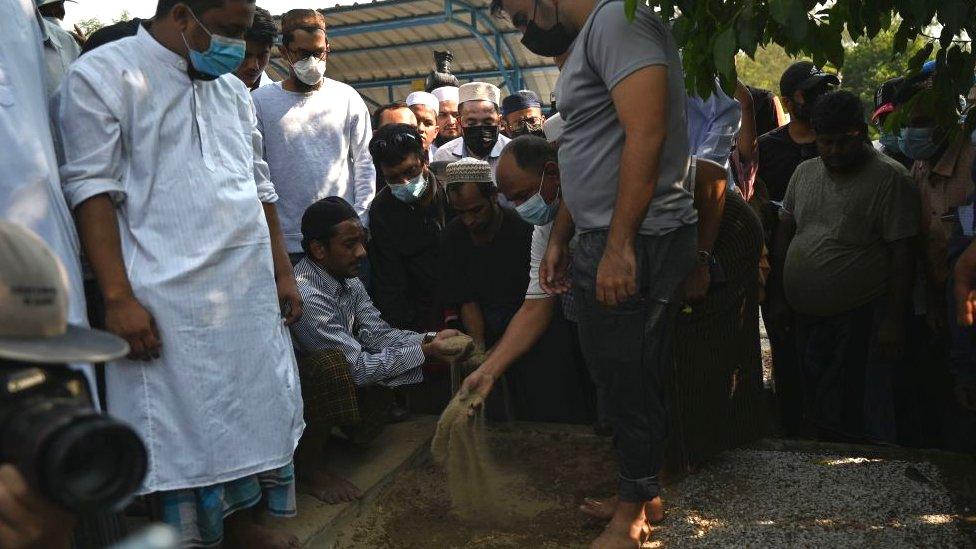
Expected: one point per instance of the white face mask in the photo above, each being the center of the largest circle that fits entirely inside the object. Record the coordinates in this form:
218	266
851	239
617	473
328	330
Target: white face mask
310	70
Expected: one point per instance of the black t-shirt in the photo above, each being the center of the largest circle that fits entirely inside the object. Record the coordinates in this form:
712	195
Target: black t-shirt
403	248
493	274
779	156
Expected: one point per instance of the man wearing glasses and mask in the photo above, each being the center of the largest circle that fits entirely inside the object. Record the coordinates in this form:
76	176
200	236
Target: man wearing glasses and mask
331	156
407	218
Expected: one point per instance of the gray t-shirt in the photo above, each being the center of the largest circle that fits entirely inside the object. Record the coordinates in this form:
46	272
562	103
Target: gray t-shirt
316	145
839	258
607	50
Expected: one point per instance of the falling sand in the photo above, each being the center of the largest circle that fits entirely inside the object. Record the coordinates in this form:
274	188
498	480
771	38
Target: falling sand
478	488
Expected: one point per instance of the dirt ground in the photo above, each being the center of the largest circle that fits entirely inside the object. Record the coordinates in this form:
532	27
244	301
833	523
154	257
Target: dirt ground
766	497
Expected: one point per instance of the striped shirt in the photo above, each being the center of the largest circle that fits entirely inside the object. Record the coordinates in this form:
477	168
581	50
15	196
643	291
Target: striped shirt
340	315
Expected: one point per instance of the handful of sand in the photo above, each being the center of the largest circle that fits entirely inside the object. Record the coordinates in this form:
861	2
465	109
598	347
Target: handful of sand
473	482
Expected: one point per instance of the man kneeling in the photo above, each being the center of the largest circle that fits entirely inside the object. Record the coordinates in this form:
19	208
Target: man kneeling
340	318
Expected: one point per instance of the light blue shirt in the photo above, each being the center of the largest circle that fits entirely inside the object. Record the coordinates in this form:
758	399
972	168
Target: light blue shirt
713	125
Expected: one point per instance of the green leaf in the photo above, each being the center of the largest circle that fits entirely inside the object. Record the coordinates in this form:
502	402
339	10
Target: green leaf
799	21
682	29
630	8
922	55
724	50
779	10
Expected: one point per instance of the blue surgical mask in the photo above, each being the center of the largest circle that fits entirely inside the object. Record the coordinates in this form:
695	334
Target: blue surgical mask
411	191
889	141
535	210
917	143
222	57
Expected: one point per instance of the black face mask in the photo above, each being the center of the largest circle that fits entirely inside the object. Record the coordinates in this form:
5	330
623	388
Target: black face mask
546	42
480	140
528	129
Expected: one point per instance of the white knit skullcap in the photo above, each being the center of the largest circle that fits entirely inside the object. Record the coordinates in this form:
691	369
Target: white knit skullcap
428	100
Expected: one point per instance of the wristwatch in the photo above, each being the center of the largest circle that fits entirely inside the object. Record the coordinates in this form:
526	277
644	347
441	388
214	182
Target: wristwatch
429	336
704	257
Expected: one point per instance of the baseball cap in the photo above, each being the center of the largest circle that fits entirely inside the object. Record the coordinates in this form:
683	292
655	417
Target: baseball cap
884	97
34	306
802	76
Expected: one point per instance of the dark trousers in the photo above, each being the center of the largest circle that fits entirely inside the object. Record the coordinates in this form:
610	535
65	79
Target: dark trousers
630	346
847	385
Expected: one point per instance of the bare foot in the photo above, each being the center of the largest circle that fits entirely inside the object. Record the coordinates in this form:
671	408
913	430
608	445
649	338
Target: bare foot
604	509
329	487
622	536
242	531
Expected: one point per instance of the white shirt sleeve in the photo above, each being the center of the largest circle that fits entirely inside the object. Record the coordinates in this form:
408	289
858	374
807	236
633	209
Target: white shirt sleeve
88	125
262	173
540	240
362	169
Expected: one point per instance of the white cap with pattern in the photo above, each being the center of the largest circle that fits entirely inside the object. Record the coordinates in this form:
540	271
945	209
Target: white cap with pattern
468	170
446	93
479	91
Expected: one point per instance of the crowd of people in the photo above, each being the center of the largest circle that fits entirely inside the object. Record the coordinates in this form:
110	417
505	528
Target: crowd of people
289	268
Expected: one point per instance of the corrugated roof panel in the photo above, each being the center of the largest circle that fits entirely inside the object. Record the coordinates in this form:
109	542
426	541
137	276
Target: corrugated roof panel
406	52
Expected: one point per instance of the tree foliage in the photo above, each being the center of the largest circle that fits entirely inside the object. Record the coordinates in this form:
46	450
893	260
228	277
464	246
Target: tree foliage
711	33
90	25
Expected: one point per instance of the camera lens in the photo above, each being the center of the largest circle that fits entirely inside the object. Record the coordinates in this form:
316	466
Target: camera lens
78	457
93	463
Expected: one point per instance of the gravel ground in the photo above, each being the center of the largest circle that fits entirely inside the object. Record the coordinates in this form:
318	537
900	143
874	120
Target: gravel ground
753	498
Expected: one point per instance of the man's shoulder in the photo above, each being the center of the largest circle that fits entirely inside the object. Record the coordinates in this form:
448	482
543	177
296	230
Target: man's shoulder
383	203
106	65
335	88
889	165
450	151
267	93
517	225
775	136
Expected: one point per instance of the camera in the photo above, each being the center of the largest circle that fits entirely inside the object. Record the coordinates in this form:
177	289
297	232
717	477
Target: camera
74	455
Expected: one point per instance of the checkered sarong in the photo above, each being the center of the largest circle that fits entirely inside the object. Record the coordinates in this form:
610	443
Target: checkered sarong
328	390
198	513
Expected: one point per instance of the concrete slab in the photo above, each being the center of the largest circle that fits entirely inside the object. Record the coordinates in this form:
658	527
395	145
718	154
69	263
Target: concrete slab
371	469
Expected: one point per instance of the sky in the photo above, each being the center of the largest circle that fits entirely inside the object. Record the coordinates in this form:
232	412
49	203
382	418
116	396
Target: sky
108	10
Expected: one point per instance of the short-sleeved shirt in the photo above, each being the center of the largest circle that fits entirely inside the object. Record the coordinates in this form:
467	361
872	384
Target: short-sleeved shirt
839	258
496	273
607	50
779	157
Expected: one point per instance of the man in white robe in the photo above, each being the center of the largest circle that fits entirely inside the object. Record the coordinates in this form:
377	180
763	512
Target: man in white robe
176	212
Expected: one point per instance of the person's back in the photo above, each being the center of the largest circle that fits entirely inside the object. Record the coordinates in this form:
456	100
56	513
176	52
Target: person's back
593	138
839	259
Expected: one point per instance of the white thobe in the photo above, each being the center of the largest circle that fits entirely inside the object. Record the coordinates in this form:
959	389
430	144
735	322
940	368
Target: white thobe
30	191
179	159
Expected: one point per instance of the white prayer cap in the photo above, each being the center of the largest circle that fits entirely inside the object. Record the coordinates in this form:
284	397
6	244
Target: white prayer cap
479	91
424	98
446	93
553	127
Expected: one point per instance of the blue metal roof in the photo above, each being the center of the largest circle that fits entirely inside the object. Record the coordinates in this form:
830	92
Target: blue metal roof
385	49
